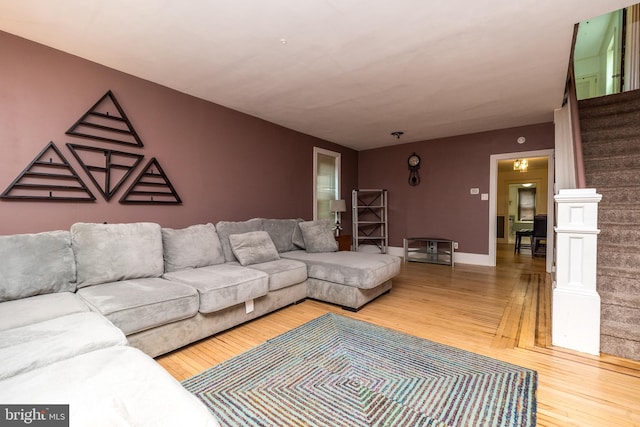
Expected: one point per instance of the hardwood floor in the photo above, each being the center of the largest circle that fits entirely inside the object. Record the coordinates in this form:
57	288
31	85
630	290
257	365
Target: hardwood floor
501	312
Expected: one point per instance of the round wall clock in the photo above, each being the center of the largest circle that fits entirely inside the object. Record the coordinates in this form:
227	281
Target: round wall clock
414	164
414	160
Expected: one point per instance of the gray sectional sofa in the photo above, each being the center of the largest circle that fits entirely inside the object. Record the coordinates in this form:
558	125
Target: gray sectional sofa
83	311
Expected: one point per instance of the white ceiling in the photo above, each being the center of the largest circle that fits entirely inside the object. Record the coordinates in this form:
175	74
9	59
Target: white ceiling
350	72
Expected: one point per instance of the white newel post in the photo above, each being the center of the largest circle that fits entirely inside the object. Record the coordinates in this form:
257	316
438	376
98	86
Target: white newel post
576	303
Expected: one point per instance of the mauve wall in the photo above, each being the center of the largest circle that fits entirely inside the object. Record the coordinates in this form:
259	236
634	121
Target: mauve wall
441	205
225	165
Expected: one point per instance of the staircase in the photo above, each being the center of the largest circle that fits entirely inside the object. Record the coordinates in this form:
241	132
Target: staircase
610	128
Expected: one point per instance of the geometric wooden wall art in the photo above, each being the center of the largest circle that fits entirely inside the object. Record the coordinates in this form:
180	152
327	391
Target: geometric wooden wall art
108	169
106	121
49	177
151	187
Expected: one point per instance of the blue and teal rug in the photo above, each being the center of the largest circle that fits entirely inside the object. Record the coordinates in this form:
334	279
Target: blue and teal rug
336	371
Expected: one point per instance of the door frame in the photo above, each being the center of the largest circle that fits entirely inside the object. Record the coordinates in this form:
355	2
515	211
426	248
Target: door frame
493	200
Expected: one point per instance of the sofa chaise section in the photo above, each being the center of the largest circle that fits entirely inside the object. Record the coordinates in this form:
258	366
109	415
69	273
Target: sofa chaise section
348	279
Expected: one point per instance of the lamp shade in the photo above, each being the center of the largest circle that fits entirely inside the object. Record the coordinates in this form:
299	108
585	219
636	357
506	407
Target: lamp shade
337	206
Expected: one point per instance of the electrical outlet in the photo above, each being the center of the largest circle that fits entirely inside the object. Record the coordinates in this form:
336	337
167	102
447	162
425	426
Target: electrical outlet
455	245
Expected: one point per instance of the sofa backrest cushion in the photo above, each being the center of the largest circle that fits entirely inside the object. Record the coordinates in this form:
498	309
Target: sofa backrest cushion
191	247
34	264
112	252
281	232
226	228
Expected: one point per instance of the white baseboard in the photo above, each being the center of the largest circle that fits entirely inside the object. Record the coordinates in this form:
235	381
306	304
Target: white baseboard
458	257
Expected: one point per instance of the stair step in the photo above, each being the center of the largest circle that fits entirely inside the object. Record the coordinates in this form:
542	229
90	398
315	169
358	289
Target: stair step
620	276
620	347
622	213
619	194
611	121
616	297
625	132
604	102
612	109
619	234
611	147
618	256
612	177
620	330
611	163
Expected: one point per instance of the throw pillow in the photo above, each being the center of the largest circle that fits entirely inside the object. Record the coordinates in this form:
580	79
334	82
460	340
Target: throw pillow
318	236
253	247
226	228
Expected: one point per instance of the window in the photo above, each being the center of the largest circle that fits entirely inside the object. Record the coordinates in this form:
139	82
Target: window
526	204
326	181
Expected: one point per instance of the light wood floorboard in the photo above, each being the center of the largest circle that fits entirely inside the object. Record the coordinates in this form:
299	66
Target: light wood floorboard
501	312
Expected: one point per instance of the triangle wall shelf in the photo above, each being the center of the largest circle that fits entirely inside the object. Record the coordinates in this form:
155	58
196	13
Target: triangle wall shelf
49	177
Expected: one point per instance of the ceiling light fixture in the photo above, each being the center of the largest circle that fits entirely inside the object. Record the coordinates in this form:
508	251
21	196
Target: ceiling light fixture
521	165
397	134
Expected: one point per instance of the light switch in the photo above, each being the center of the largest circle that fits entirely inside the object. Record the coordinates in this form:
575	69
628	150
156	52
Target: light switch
475	191
484	196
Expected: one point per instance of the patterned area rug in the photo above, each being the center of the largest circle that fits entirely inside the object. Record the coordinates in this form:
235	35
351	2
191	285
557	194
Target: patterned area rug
336	371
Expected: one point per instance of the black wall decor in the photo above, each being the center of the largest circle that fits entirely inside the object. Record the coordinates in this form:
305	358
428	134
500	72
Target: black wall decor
108	169
106	121
151	186
49	177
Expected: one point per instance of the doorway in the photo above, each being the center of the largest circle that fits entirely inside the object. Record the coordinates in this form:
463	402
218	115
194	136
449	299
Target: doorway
502	175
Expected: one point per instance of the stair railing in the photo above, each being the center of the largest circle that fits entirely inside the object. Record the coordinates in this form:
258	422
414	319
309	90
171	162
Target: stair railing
572	99
569	163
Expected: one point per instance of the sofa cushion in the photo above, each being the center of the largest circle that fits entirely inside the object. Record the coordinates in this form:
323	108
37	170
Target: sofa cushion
39	308
281	232
194	246
226	228
34	264
359	269
115	386
318	236
253	247
110	252
32	346
223	285
283	272
139	304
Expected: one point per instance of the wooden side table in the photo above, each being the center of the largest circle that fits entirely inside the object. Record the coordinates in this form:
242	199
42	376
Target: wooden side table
344	242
